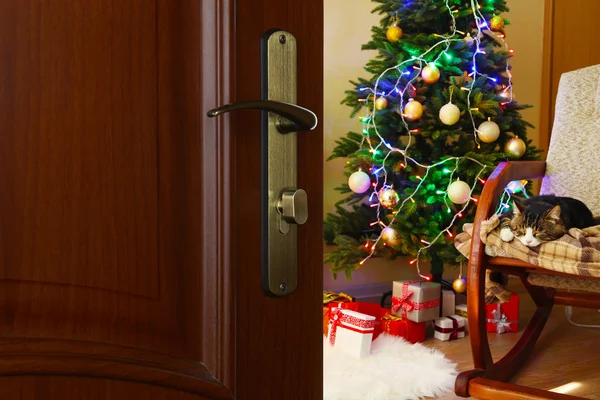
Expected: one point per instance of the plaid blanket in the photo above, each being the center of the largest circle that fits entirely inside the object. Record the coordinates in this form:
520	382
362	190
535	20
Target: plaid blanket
576	253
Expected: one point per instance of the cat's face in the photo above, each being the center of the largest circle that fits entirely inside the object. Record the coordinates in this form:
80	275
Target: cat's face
535	228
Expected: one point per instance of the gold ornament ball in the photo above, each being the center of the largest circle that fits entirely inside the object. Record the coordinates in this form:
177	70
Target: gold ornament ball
459	285
381	103
515	148
459	192
449	114
394	34
496	23
388	198
413	110
488	131
504	95
430	74
390	236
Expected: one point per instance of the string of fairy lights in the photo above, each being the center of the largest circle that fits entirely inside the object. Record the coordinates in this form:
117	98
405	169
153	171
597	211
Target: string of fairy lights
410	70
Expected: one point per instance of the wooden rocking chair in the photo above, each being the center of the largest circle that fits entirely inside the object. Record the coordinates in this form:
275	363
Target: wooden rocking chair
571	169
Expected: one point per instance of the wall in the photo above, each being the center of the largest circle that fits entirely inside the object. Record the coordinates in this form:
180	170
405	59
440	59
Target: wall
347	26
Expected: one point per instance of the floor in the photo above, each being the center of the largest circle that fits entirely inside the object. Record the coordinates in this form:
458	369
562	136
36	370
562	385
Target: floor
564	355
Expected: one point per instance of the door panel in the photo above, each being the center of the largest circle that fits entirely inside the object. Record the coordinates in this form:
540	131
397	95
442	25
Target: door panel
114	246
82	104
60	388
562	53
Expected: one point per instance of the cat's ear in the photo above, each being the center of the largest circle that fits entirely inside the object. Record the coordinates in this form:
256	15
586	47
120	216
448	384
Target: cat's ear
554	214
516	208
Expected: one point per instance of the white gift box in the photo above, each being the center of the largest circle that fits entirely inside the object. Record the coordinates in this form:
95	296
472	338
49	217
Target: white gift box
351	332
448	302
450	328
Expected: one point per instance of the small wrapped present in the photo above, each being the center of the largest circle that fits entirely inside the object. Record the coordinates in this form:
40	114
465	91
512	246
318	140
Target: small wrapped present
413	332
351	331
503	317
362	307
333	297
461	309
451	327
448	302
417	301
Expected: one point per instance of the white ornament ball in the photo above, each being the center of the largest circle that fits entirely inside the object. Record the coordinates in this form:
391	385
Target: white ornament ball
459	192
359	182
488	131
449	114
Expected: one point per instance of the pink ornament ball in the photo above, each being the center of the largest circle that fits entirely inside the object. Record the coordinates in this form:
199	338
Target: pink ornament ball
359	182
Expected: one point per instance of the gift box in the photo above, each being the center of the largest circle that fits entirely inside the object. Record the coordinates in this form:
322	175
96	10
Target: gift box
417	301
413	332
372	309
351	331
451	327
461	309
448	303
503	317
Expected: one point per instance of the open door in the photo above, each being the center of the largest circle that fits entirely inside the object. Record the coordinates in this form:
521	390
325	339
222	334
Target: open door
131	249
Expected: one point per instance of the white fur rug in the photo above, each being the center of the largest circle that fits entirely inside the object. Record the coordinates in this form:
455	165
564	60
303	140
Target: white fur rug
395	370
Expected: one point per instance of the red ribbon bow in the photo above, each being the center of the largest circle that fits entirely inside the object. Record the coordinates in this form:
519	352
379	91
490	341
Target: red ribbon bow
402	301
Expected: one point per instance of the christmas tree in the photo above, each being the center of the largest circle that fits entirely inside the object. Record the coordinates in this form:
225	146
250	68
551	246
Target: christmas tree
438	115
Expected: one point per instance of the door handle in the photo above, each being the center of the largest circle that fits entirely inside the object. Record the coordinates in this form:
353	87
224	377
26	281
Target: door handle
283	205
293	117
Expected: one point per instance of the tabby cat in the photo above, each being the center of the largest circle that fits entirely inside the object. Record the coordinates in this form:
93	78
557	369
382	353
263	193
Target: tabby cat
541	219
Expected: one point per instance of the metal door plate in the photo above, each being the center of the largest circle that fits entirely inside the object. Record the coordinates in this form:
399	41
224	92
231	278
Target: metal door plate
278	165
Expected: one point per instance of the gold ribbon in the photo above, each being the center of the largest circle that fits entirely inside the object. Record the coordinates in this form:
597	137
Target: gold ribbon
329	297
389	317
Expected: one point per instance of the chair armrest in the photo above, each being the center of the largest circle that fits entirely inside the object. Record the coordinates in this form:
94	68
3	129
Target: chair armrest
505	173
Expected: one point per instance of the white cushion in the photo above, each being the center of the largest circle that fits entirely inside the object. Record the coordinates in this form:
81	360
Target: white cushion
573	162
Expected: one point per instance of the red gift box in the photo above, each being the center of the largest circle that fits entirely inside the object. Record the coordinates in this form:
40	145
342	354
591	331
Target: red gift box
371	309
413	332
325	320
503	317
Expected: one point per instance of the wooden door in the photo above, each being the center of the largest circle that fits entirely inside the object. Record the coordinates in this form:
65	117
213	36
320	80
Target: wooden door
129	225
569	44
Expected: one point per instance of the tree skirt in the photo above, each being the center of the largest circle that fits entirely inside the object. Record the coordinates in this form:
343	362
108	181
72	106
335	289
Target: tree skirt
395	370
